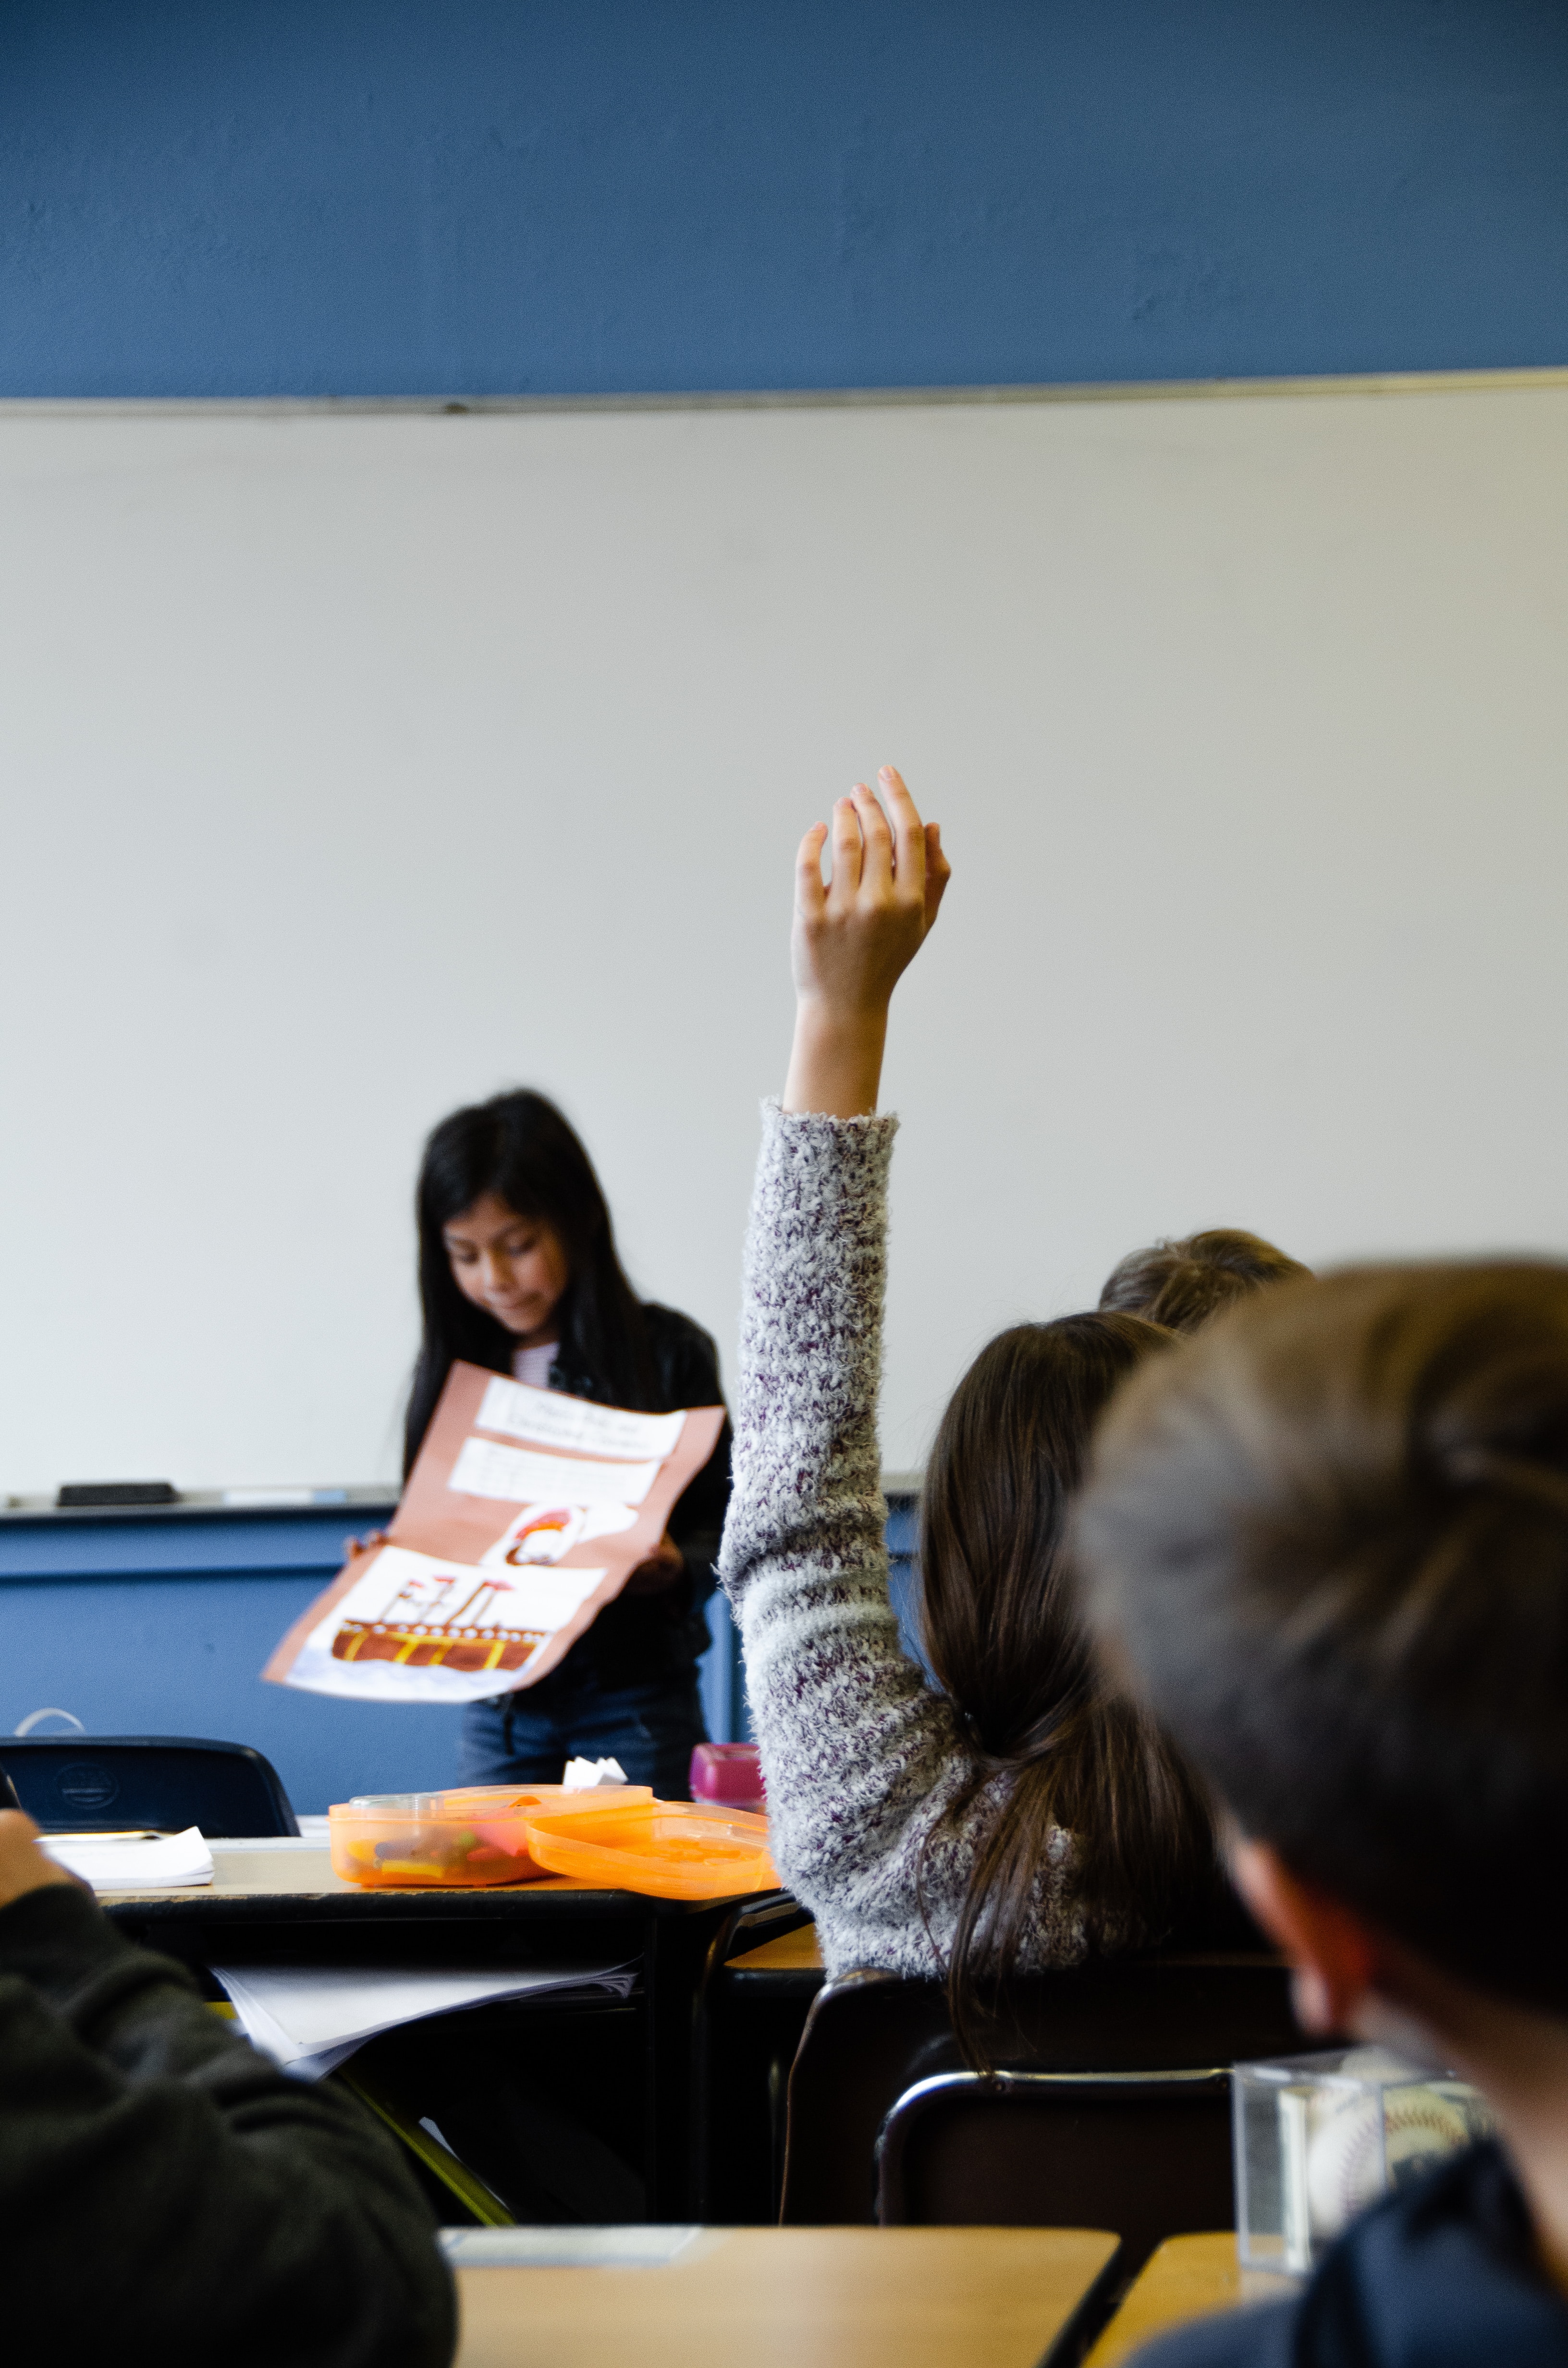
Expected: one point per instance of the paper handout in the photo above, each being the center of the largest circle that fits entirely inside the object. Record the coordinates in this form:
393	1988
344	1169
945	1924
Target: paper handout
525	1514
135	1862
311	2018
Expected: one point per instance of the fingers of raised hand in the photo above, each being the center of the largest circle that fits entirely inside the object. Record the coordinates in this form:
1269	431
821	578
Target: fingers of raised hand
877	857
810	896
848	850
938	870
908	832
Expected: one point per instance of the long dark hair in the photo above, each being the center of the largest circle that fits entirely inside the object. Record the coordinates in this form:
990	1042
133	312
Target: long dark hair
519	1147
1004	1637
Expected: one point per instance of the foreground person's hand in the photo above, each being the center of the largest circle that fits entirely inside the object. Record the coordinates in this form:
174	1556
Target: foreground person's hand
24	1867
853	938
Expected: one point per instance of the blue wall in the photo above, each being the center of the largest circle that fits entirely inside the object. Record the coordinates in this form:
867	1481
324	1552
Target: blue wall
160	1625
379	197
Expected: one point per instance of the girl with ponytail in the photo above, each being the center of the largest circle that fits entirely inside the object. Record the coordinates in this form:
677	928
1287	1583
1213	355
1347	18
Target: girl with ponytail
1017	1813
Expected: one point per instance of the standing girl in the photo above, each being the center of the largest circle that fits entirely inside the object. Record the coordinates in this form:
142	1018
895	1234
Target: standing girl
519	1273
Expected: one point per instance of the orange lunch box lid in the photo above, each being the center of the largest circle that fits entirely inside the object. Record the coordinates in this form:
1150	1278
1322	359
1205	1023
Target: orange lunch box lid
668	1850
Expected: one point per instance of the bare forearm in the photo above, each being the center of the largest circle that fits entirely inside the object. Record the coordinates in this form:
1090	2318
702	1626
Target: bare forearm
835	1061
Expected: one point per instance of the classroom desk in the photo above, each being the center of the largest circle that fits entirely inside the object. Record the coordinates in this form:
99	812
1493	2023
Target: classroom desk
270	1905
1187	2277
793	1953
797	2298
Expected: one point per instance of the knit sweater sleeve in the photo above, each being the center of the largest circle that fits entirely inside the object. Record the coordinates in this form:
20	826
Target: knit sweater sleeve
864	1760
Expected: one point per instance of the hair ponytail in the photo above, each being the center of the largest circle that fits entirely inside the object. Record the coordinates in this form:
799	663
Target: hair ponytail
1083	1773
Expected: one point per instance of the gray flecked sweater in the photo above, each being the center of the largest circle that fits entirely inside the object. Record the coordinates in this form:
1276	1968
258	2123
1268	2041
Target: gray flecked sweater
863	1757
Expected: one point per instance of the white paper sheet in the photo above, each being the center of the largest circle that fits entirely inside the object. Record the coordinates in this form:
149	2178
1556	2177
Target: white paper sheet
484	1468
548	1419
310	2019
135	1862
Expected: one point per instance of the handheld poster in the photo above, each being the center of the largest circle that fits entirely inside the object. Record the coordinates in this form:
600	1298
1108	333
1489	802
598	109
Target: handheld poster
525	1514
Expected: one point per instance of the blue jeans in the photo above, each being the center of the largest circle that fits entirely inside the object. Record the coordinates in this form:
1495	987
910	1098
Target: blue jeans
527	1738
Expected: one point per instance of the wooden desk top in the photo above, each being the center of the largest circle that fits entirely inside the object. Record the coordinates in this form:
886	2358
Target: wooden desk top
793	1952
782	2297
289	1870
1187	2277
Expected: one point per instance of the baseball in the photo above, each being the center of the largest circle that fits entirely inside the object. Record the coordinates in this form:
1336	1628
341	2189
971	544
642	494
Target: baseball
1353	2134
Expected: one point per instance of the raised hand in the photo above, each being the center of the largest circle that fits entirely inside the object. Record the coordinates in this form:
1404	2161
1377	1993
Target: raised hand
853	938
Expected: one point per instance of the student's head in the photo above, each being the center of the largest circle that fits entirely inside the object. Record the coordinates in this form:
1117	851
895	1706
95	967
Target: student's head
1005	1641
515	1242
1182	1284
1329	1541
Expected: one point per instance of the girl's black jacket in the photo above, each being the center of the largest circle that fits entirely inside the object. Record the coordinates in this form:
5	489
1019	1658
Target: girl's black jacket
167	2195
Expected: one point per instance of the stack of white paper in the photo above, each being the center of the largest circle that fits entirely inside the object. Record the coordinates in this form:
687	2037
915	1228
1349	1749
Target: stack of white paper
134	1861
312	2018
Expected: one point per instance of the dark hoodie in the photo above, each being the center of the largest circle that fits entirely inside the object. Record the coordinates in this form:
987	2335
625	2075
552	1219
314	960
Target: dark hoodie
166	2195
1441	2275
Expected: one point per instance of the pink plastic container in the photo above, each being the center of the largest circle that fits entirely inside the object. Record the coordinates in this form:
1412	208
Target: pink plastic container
729	1772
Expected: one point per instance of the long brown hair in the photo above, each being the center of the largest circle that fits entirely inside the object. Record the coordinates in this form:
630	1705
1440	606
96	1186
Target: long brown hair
1004	1638
1182	1284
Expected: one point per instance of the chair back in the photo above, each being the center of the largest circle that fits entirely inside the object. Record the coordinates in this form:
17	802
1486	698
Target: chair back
870	2037
1147	2154
98	1784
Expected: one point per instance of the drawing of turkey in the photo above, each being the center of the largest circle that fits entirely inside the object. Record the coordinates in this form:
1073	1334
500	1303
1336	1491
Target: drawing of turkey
543	1534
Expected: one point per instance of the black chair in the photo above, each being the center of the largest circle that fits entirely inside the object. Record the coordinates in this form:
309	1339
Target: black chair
1147	2154
100	1784
870	2038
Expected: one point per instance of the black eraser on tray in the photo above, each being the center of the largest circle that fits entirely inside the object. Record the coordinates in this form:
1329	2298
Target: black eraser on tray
116	1492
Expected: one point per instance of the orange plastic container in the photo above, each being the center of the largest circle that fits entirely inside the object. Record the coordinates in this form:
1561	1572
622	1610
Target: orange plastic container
461	1840
670	1849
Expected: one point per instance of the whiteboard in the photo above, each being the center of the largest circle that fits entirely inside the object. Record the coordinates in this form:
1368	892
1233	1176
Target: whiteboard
359	764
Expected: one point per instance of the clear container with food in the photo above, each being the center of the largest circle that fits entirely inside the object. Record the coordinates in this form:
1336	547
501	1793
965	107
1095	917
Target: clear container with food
669	1849
464	1840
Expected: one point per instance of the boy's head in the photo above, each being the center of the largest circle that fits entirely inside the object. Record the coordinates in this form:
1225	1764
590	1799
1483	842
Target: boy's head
1182	1284
1329	1540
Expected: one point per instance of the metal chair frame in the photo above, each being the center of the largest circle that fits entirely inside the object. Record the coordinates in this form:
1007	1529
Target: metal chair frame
909	2109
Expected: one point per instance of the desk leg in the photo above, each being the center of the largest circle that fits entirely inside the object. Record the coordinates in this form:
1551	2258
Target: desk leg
674	1955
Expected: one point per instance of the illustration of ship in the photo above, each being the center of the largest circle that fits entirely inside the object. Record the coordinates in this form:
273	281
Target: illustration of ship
426	1626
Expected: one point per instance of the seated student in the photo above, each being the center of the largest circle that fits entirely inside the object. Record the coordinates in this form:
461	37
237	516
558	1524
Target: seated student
1182	1284
1017	1816
1329	1538
166	2193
